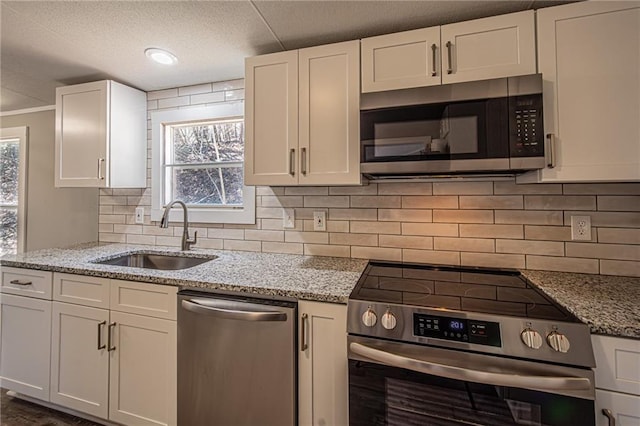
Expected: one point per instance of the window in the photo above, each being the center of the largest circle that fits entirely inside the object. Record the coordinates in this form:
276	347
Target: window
13	154
197	157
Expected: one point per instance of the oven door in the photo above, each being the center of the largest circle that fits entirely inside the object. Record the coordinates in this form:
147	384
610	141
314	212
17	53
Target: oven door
404	384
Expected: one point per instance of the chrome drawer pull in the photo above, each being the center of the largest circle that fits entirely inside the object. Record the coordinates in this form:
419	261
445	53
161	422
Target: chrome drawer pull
303	333
18	282
609	415
110	337
100	344
434	48
292	159
450	68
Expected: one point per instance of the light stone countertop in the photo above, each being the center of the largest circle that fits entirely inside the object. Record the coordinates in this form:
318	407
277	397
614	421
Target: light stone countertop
322	279
609	305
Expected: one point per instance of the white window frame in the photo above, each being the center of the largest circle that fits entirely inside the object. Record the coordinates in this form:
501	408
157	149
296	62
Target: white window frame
159	121
21	134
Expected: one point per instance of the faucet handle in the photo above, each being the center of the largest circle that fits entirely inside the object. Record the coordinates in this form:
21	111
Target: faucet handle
189	242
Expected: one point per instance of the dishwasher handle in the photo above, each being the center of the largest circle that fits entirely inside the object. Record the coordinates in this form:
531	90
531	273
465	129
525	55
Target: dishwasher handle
220	309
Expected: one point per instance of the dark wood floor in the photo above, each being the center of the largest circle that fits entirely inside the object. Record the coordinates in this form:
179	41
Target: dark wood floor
16	412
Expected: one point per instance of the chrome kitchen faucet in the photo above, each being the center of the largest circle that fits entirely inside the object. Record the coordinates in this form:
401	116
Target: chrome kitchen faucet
164	223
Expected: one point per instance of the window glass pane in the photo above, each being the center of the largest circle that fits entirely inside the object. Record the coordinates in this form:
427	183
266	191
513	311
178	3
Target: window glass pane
208	186
9	158
206	143
8	230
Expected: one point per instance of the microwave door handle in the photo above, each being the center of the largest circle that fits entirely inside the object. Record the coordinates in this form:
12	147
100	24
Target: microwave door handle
543	383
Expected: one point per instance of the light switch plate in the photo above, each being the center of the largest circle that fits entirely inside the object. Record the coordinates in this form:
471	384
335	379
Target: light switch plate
139	214
288	218
320	221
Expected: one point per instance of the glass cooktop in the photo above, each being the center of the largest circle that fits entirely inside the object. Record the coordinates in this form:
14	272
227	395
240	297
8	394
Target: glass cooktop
468	289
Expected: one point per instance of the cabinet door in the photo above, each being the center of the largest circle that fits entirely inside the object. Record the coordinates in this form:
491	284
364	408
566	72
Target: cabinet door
25	345
322	368
143	370
498	46
401	60
589	56
330	114
271	119
79	358
617	364
81	135
625	409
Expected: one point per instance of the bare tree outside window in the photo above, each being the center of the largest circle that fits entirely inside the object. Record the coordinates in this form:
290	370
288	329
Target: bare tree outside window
9	161
203	163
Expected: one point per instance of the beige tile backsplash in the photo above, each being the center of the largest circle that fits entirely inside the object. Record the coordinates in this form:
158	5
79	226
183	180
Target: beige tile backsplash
493	223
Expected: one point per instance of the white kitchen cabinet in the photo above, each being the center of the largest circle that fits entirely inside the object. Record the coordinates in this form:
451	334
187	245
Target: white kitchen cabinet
589	57
143	370
493	47
80	359
302	117
101	136
25	345
114	349
617	377
323	394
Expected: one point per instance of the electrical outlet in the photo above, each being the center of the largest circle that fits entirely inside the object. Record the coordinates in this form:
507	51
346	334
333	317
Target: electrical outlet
319	221
581	228
139	214
288	218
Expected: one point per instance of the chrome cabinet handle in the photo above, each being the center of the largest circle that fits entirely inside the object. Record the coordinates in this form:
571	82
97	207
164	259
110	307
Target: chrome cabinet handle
303	161
110	337
551	148
450	67
19	282
543	383
434	48
303	333
609	415
218	309
100	344
100	161
292	159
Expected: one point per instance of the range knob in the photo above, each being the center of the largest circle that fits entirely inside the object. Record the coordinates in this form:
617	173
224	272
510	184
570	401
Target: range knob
531	338
369	318
558	342
388	320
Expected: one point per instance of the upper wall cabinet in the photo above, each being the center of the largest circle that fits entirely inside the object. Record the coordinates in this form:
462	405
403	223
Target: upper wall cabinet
101	136
498	46
589	57
302	117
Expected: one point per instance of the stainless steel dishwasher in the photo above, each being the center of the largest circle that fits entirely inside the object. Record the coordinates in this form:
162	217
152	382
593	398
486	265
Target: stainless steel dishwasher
236	360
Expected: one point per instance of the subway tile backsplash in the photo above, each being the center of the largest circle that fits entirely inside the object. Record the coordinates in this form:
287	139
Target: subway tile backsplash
493	223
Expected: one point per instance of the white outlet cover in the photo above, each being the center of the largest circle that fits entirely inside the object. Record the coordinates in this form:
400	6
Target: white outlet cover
581	228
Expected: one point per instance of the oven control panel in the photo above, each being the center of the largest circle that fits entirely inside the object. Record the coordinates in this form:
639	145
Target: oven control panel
458	329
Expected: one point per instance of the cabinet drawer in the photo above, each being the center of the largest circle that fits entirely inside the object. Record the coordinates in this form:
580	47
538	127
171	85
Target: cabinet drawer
617	364
26	282
152	300
81	290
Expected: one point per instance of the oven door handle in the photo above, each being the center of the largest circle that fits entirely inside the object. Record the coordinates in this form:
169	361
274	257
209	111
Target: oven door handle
541	383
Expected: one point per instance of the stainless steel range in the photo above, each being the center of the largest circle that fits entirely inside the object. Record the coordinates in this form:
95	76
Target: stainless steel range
437	345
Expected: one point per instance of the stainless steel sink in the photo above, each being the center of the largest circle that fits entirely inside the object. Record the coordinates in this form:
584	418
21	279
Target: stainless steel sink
156	261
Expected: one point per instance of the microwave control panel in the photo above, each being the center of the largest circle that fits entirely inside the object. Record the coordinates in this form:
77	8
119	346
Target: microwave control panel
459	329
526	126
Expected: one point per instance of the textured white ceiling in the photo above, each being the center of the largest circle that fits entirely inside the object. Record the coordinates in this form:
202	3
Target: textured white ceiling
45	44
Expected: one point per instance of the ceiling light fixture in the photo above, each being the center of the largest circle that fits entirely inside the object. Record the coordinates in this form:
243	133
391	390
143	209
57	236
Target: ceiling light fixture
160	56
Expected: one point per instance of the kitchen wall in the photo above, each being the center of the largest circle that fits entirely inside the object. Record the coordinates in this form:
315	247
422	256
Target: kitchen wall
490	223
56	217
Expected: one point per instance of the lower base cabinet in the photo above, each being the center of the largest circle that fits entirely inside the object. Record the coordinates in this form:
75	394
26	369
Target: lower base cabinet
617	381
323	376
105	348
25	336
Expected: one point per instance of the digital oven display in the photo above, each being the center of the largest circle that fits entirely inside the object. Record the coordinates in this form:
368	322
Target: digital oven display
458	329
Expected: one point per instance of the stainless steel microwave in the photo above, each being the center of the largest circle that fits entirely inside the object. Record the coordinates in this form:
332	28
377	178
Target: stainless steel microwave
491	126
